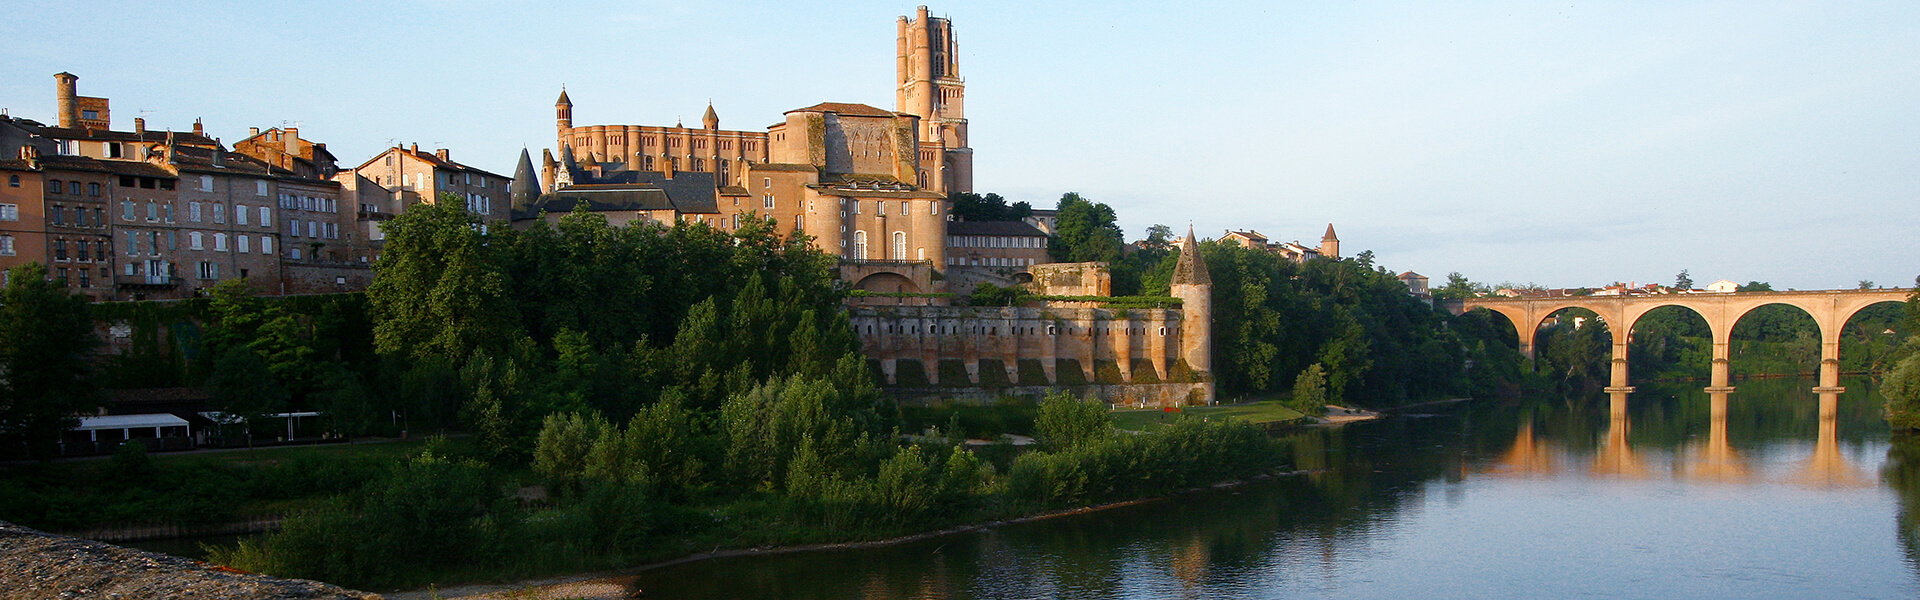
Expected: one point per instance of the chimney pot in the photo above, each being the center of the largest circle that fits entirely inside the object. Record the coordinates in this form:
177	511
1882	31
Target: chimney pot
139	125
198	128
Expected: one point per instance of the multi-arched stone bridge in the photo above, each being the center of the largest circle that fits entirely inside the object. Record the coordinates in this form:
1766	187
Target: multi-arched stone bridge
1829	309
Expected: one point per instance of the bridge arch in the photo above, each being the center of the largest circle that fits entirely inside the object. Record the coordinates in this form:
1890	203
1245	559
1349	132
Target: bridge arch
1831	310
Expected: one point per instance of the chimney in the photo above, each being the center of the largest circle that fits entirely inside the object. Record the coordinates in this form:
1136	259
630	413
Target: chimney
139	125
67	93
198	128
666	167
219	156
416	147
442	153
293	141
253	131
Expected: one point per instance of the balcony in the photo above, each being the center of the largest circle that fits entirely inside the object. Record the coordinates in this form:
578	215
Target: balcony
146	282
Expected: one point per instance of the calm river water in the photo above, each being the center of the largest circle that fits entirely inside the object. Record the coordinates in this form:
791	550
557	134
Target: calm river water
1530	499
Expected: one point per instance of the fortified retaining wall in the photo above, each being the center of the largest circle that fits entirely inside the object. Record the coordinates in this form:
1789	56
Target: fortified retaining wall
1124	395
1102	351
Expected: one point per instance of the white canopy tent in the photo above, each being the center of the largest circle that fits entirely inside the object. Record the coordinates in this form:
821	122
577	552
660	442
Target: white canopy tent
129	425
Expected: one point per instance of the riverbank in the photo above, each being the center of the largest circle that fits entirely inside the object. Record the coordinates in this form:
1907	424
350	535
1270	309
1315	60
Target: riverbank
619	584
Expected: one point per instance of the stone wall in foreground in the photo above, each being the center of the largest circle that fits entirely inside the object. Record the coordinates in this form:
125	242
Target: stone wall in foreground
36	565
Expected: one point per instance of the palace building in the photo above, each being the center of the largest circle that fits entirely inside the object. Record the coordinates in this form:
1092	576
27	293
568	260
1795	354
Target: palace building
866	183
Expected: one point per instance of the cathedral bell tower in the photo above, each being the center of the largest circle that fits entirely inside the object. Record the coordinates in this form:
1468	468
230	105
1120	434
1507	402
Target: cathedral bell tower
562	118
931	88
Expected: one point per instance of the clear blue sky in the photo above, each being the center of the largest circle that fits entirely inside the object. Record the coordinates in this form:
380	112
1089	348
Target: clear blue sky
1565	144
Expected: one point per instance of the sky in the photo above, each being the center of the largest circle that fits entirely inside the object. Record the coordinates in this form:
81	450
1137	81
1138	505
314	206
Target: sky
1562	144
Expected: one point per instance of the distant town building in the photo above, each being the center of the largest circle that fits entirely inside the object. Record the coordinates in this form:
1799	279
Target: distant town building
1294	251
1723	287
1416	284
417	177
144	214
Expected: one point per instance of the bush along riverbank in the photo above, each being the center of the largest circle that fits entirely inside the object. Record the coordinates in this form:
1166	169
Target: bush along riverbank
774	469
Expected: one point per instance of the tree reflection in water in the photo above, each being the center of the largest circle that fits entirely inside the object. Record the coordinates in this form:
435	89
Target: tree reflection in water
1376	484
1902	473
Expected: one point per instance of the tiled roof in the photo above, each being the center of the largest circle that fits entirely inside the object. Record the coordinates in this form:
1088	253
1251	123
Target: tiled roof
103	135
432	159
846	108
1004	228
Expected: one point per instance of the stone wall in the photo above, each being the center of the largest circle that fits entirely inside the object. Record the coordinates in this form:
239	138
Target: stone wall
999	347
35	565
1134	395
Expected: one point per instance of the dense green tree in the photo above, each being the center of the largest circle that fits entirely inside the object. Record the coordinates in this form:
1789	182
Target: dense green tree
1458	287
438	289
1310	391
1085	231
969	206
1683	281
46	347
1065	422
1902	392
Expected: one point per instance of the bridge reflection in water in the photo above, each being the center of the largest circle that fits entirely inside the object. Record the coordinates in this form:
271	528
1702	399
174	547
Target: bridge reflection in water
1708	458
1715	460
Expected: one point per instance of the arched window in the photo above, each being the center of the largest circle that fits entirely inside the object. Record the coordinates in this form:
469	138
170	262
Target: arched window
859	245
899	245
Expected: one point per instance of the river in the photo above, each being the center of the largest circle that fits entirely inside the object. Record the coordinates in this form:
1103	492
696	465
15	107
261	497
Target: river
1542	498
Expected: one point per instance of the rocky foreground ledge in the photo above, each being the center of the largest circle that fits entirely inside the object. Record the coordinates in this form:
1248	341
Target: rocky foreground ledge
35	565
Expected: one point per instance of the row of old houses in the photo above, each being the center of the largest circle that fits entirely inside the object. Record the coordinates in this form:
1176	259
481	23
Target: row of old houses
155	214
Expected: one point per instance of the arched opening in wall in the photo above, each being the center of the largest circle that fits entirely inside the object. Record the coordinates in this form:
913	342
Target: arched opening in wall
1774	340
1023	278
1573	348
1670	343
1872	339
887	283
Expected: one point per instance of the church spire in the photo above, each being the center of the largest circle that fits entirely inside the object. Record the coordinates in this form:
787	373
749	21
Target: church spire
1191	269
711	120
1330	244
526	185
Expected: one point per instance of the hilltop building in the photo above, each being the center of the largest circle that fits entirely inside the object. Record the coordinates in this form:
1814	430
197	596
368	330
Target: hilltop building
1294	251
867	184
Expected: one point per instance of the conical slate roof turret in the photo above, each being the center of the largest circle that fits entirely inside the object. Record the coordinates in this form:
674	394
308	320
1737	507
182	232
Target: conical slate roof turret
1191	270
1329	236
711	120
563	98
526	185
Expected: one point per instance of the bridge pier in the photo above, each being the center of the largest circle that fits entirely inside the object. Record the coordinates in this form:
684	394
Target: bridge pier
1617	386
1721	382
1829	365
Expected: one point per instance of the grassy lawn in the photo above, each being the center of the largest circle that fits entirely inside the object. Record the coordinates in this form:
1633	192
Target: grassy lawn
1255	412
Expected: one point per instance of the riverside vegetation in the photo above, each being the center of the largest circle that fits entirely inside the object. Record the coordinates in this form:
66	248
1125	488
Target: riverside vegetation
679	389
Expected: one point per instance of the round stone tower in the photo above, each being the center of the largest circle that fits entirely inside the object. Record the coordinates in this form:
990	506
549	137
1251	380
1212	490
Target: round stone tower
1194	288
